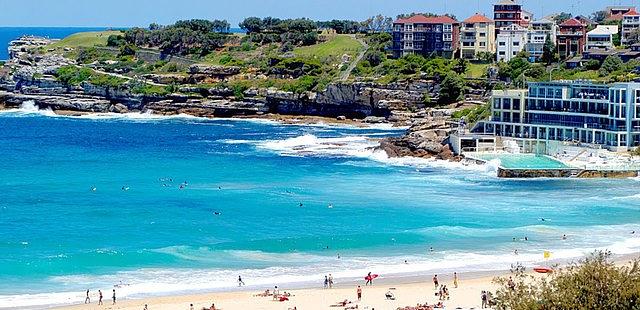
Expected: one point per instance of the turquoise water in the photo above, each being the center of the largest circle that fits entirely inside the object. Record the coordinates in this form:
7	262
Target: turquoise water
59	237
523	161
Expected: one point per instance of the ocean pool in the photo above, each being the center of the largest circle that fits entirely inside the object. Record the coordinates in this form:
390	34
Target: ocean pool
523	161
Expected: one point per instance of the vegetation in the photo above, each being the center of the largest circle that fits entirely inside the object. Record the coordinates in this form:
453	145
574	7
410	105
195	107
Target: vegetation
474	114
72	75
610	64
335	47
549	54
296	32
187	37
85	39
593	283
451	89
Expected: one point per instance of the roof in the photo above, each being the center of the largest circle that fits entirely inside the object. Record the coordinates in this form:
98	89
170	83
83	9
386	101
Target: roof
571	22
543	21
632	12
478	18
421	19
604	30
615	17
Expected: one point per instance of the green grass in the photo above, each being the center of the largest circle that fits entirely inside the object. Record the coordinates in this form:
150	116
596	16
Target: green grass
477	70
85	39
335	47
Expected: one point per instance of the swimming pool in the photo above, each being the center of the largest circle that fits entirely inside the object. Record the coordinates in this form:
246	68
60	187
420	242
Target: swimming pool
522	161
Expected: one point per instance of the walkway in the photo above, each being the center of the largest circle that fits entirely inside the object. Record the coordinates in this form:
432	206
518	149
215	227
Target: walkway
345	75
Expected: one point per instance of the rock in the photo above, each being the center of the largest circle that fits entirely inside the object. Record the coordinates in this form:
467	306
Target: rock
374	120
214	71
341	118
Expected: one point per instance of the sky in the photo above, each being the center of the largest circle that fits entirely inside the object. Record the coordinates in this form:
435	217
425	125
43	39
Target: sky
127	13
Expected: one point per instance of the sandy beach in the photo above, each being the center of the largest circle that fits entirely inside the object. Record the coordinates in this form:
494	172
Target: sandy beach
407	291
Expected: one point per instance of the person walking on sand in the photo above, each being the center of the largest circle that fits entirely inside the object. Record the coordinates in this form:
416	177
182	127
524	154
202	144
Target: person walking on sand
240	282
455	280
330	281
87	300
483	298
114	296
435	282
326	282
146	307
359	293
99	297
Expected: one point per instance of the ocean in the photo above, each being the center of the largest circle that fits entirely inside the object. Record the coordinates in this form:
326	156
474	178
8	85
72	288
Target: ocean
166	205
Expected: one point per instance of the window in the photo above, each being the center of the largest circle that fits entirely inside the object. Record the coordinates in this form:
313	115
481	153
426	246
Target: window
483	44
502	43
448	37
482	34
516	43
501	53
447	27
483	25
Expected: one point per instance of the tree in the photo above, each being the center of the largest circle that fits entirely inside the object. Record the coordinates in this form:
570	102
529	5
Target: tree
610	64
549	54
562	17
592	64
460	66
633	37
374	57
599	16
252	25
593	283
451	89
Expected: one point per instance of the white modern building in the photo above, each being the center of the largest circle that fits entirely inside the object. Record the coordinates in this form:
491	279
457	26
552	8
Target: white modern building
537	36
510	41
601	37
605	115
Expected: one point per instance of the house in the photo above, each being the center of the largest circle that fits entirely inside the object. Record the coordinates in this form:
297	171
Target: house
601	37
538	33
630	23
598	114
438	35
511	40
509	12
476	36
571	38
632	53
618	9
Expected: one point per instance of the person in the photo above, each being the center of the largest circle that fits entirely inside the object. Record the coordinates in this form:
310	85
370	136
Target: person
564	237
191	307
455	280
483	298
213	307
275	293
511	284
99	297
435	282
359	293
431	249
240	282
87	300
146	307
369	279
114	296
440	293
326	282
389	295
330	281
445	290
515	252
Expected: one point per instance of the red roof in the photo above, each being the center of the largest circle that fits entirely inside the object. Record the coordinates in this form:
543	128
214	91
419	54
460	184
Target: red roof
632	12
421	19
615	17
478	18
571	22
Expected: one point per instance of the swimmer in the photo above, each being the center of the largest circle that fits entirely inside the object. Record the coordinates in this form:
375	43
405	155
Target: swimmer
93	188
431	249
301	205
564	237
217	213
330	206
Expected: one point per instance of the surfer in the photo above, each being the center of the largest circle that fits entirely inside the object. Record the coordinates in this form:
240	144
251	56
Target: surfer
93	188
369	279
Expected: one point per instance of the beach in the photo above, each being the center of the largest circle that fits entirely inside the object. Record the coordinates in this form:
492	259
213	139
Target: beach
407	291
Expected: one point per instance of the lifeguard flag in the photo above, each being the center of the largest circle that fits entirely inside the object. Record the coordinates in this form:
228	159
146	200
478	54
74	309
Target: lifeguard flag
547	254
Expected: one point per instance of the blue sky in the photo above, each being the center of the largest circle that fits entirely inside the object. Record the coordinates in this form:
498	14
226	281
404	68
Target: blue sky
120	13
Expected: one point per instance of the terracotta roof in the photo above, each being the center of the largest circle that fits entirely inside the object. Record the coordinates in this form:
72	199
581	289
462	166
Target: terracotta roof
478	18
572	22
632	12
421	19
615	17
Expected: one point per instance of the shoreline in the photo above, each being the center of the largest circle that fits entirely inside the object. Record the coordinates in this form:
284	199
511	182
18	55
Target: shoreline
409	290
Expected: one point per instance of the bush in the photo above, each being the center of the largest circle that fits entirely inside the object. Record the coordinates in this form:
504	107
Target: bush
301	85
593	283
592	64
72	75
374	57
610	64
451	89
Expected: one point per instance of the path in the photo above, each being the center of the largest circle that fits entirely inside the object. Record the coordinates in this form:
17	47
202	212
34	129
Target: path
345	75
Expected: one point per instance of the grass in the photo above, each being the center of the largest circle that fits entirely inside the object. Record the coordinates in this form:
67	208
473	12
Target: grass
85	39
335	47
477	70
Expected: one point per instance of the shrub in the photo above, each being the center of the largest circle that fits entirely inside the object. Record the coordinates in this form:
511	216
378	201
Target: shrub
592	283
72	75
610	64
592	64
451	89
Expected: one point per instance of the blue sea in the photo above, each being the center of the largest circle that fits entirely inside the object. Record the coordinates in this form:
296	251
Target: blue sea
164	205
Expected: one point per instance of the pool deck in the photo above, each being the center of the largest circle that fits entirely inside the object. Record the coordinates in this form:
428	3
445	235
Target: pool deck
555	168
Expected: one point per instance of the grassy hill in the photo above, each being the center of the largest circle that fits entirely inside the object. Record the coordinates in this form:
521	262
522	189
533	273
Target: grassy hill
334	47
85	39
